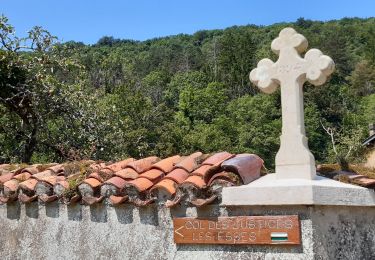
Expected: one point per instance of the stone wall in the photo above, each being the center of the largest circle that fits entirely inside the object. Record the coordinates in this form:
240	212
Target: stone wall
56	231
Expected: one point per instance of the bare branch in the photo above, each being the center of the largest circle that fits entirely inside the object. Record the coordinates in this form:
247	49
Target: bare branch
330	131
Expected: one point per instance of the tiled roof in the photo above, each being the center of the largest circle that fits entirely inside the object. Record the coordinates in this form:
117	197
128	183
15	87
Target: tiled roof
195	179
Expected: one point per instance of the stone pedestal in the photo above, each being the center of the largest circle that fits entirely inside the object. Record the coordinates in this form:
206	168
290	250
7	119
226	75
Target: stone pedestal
270	190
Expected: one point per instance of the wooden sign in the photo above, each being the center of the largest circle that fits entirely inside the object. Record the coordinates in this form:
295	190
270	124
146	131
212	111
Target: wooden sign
268	230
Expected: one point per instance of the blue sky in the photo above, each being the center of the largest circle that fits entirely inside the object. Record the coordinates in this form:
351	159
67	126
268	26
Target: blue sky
89	20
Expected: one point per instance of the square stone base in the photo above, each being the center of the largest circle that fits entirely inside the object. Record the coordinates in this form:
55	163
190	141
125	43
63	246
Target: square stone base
269	190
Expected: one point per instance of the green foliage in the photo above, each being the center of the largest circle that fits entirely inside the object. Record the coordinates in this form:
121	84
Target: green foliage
257	123
177	94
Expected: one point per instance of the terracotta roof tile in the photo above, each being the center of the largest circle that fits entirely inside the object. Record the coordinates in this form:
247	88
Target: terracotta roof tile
26	199
127	173
29	184
89	200
177	175
11	185
143	165
153	175
4	166
94	183
119	165
141	184
45	198
202	202
197	181
117	182
59	168
166	185
97	166
31	170
52	180
43	174
248	166
217	158
6	177
227	176
22	176
166	165
364	181
191	162
203	170
115	200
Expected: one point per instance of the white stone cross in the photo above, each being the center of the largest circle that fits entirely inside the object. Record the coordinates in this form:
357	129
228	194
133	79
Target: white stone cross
294	159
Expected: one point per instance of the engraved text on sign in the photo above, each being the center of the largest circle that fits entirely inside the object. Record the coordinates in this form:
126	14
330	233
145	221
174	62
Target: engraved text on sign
238	230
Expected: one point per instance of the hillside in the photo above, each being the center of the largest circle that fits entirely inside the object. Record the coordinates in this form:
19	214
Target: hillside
179	94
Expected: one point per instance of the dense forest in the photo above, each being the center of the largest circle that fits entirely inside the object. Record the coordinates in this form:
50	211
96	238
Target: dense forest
177	94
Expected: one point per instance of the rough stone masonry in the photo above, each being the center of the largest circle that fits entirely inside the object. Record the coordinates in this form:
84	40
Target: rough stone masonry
57	231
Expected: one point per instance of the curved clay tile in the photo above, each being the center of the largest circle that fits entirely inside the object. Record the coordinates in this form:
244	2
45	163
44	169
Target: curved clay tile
45	198
191	162
248	166
202	170
202	202
45	187
127	173
141	184
207	171
22	176
143	165
167	165
11	185
167	186
115	200
89	200
102	175
174	202
364	181
26	199
29	184
95	175
228	176
117	182
177	175
97	166
52	180
141	203
3	199
6	177
31	170
10	190
59	168
196	181
74	199
94	183
153	175
120	165
4	166
217	158
43	174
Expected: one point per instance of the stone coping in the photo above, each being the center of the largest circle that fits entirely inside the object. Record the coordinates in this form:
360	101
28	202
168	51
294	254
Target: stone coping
269	190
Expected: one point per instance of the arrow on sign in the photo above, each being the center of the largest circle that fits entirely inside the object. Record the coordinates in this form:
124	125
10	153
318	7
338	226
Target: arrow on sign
178	229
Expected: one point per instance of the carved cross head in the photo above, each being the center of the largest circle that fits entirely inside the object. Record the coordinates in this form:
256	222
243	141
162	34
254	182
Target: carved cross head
314	67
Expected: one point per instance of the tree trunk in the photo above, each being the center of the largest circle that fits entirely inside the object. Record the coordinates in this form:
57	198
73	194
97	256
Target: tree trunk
30	144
